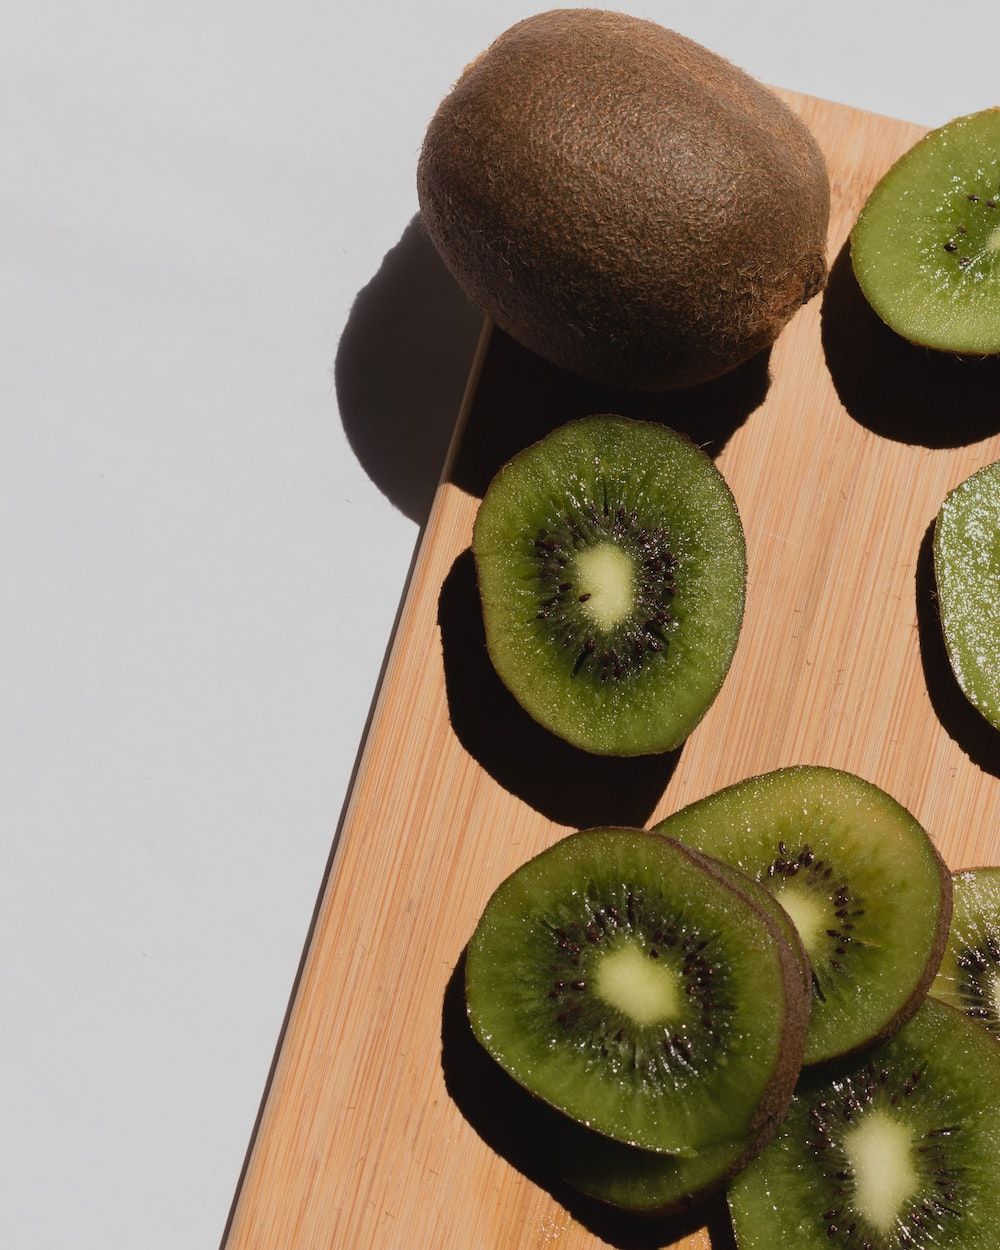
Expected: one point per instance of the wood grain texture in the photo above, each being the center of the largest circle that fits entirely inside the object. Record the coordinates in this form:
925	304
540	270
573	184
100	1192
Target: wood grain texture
383	1126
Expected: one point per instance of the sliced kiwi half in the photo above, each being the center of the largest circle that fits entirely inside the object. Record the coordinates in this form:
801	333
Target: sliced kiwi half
926	247
611	566
969	976
967	573
651	1184
622	980
895	1151
857	875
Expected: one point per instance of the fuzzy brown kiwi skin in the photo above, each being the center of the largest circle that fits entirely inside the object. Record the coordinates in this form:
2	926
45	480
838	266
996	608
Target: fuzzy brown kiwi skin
624	202
797	983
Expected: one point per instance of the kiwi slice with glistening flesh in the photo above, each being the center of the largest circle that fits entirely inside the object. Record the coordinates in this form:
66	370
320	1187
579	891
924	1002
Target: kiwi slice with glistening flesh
967	574
646	1183
895	1151
624	982
611	567
858	876
926	247
969	976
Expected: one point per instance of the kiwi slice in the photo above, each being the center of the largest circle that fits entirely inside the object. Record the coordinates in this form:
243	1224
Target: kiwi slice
647	1183
611	566
926	248
969	976
967	573
643	1182
897	1151
619	978
860	880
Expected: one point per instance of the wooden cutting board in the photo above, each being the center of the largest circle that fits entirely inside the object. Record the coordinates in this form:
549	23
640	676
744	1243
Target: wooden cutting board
384	1126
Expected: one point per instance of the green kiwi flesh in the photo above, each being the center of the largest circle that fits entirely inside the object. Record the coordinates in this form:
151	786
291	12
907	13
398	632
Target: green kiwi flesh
895	1151
611	566
926	247
622	201
860	879
967	573
646	1183
622	981
969	976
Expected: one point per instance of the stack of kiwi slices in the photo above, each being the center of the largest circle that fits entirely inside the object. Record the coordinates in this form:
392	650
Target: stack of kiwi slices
638	989
611	566
740	996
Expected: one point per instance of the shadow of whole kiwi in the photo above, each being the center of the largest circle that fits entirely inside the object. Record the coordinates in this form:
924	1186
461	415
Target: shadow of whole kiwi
521	397
896	389
963	724
569	786
400	371
403	360
520	1129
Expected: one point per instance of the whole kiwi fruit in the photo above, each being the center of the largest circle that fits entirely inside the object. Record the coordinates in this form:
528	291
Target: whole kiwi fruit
624	202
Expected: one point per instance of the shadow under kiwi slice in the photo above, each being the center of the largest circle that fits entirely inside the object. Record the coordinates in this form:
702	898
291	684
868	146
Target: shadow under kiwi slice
860	879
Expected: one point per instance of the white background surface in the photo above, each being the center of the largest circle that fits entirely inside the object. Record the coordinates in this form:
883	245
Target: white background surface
211	478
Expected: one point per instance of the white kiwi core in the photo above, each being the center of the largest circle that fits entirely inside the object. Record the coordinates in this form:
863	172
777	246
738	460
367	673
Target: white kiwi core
807	912
606	575
994	992
880	1153
641	988
993	242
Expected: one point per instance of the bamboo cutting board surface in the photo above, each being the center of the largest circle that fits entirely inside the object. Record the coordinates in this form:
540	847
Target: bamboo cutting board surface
383	1125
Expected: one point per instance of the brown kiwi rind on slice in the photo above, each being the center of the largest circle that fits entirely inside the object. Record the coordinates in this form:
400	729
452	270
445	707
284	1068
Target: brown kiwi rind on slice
620	979
859	877
895	1150
645	1183
611	567
926	247
969	976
